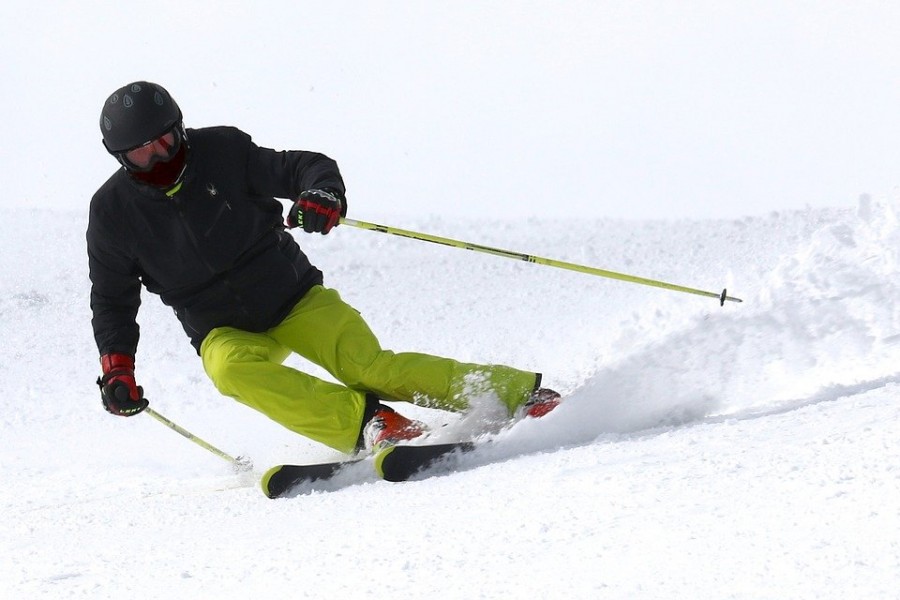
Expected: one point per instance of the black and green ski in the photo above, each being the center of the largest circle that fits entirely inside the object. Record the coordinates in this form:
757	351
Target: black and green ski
400	463
396	463
281	479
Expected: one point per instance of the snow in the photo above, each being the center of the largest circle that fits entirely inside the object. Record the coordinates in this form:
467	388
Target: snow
743	451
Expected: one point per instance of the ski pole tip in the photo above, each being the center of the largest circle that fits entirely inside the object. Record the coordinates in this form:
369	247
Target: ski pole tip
724	296
242	464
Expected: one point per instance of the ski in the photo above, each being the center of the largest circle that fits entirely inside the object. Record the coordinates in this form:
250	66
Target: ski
396	463
400	463
281	479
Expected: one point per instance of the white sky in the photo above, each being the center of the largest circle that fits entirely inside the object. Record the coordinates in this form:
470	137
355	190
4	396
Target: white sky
623	109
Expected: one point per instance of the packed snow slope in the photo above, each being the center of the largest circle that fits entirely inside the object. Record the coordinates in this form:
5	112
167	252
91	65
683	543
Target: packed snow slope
744	451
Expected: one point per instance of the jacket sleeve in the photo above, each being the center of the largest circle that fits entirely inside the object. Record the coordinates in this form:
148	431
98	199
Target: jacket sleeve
284	174
115	285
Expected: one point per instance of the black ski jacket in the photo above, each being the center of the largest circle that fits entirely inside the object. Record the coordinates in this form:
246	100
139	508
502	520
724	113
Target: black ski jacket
216	251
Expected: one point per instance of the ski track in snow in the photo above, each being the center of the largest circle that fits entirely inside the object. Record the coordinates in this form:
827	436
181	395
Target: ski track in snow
702	451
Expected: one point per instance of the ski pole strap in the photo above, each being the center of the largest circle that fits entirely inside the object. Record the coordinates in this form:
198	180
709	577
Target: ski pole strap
425	237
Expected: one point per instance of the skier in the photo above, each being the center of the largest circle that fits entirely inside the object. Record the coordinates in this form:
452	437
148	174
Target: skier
192	216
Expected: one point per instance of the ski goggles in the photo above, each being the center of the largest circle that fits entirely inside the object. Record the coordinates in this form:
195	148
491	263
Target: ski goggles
161	149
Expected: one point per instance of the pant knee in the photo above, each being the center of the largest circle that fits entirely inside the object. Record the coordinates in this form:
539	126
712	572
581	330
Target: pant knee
364	372
228	366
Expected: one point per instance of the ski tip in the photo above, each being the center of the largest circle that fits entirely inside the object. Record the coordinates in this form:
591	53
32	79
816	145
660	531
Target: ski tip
380	458
266	482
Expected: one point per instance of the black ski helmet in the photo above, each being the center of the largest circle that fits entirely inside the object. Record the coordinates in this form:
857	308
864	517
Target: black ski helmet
135	114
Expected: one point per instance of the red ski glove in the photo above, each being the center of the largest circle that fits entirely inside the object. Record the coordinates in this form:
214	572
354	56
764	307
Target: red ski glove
316	211
120	394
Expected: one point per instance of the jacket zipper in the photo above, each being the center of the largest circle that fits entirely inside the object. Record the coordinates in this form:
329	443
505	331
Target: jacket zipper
218	216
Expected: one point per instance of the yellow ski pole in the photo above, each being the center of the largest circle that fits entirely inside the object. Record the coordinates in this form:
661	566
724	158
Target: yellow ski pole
722	297
241	463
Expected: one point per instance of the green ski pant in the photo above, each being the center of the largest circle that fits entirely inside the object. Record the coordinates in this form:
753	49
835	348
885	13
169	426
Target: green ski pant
325	330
